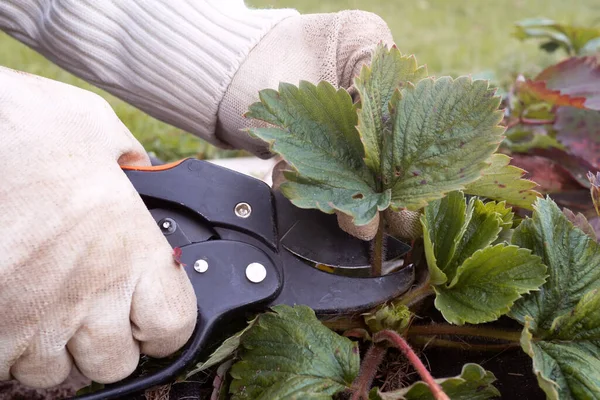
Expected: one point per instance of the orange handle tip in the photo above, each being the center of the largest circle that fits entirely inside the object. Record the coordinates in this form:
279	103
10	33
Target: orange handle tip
153	167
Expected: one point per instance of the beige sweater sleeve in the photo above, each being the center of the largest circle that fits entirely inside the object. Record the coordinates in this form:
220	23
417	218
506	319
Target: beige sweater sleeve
172	59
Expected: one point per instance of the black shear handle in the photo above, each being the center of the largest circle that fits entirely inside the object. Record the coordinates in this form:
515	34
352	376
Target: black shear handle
222	289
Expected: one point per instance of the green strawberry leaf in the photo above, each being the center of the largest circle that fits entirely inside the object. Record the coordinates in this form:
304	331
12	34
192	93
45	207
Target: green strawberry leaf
488	283
573	39
454	230
443	132
503	182
506	220
475	280
359	201
524	139
402	145
376	86
484	223
224	351
572	258
316	134
561	321
474	383
289	353
443	226
566	360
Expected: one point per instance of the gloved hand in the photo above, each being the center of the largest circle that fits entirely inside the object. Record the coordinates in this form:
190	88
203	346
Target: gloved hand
332	47
86	276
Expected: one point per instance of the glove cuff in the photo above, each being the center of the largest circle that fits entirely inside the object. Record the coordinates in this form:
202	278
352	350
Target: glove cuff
172	59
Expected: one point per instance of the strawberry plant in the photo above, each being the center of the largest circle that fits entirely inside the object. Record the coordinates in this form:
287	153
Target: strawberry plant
411	139
493	249
506	193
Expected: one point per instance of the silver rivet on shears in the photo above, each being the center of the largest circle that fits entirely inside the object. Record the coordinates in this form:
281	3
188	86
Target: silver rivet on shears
256	272
167	225
201	266
243	210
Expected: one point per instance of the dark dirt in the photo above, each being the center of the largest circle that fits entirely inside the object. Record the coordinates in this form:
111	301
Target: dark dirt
12	390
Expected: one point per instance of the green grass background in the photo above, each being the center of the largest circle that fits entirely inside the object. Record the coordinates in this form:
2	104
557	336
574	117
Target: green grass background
453	37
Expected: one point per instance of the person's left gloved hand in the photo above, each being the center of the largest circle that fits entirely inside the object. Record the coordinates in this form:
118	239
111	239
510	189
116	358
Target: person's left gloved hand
330	47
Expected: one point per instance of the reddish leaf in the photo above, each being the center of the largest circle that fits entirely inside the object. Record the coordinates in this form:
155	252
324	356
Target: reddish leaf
574	82
595	223
560	175
539	91
579	131
576	166
549	175
581	222
576	76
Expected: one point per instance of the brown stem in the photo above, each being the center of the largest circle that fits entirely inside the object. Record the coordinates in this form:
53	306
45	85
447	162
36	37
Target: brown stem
345	323
451	344
398	342
512	123
528	121
443	329
368	369
377	249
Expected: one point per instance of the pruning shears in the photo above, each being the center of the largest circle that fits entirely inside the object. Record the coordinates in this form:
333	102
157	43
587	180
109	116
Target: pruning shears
245	248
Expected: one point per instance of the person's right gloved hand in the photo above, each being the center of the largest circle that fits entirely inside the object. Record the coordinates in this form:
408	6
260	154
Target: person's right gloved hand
86	276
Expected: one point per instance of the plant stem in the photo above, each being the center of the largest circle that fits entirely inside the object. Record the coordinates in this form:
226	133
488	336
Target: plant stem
368	369
443	329
377	249
528	121
345	323
415	296
398	341
512	123
451	344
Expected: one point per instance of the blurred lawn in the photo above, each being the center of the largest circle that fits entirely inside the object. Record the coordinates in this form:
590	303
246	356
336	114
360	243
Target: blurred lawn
453	37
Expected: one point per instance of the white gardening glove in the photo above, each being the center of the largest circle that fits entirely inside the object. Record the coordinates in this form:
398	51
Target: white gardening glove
86	276
330	47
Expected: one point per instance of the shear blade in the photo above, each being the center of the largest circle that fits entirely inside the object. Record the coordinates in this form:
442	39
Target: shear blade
329	294
322	242
316	237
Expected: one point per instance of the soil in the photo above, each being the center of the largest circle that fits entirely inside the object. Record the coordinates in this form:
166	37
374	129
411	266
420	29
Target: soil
13	390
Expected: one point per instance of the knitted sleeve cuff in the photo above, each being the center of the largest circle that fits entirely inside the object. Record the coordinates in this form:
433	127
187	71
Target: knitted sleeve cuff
172	59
